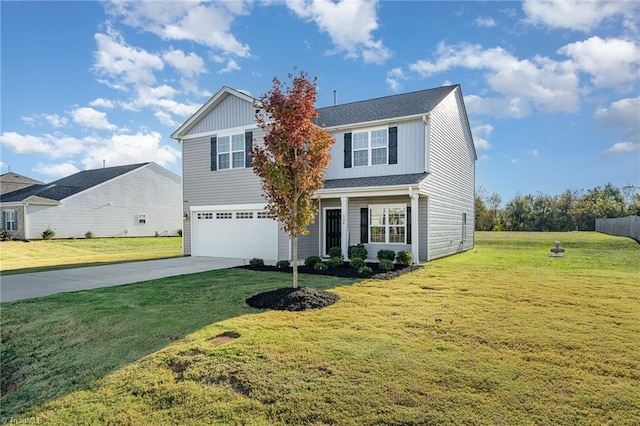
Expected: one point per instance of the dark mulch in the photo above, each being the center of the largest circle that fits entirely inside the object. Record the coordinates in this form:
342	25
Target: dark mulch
303	298
343	271
293	299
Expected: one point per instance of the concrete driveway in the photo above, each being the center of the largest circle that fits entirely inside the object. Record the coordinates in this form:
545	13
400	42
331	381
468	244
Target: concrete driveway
38	284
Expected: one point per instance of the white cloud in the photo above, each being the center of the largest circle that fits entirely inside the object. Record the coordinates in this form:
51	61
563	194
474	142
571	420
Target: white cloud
54	146
611	62
102	103
485	21
524	85
480	135
56	121
349	23
122	149
188	65
89	117
31	121
394	78
621	148
533	153
165	118
578	14
56	171
123	64
232	65
205	23
623	113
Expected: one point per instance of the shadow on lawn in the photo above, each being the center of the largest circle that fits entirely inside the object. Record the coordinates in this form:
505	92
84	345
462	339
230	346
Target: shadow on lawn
62	343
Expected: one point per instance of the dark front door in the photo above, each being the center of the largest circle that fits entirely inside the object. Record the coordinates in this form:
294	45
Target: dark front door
332	229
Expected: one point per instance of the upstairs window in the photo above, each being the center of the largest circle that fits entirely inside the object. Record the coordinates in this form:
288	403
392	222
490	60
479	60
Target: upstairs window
371	147
231	152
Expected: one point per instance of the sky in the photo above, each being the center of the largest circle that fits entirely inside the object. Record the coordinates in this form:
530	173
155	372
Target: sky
552	88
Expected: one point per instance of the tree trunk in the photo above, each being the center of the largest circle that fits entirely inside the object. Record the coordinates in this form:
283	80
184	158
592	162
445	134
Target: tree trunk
295	261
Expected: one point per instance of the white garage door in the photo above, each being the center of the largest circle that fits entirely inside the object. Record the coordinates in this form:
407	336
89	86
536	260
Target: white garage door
234	233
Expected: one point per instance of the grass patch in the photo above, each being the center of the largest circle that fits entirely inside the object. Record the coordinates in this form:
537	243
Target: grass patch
503	334
20	257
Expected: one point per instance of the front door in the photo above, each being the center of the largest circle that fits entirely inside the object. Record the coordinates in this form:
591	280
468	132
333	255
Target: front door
332	229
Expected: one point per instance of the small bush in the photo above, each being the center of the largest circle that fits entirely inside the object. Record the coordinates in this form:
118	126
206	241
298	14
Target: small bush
335	262
335	252
357	263
386	264
386	254
358	251
404	258
179	232
256	262
311	261
322	267
283	264
157	234
48	234
88	234
365	271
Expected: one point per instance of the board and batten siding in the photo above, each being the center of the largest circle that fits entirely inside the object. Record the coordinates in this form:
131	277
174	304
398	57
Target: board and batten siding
411	154
231	112
111	209
450	186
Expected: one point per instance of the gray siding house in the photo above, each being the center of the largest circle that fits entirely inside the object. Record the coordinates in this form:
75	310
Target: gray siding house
125	201
401	177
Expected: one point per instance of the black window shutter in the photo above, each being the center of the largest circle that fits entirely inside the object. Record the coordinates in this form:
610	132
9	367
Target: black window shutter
408	225
393	145
248	147
4	220
364	225
347	150
214	153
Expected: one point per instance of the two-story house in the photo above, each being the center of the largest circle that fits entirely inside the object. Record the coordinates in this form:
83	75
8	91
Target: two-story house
401	177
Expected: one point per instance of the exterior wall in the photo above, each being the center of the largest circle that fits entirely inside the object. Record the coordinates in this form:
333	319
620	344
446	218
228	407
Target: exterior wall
20	232
411	154
450	186
112	208
231	112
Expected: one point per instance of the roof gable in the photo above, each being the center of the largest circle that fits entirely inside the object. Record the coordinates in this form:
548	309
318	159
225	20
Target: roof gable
388	107
10	182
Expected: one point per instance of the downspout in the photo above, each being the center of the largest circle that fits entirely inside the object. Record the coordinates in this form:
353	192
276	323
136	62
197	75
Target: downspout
427	139
415	232
26	223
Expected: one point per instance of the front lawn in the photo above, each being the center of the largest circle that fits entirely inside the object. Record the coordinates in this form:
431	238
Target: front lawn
503	334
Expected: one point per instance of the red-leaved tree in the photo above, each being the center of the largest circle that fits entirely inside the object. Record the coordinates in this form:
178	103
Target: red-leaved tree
295	156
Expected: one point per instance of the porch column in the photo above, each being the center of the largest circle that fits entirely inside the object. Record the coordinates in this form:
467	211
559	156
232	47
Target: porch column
344	230
415	231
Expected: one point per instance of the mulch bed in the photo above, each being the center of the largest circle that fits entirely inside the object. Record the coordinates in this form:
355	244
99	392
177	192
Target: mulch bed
303	298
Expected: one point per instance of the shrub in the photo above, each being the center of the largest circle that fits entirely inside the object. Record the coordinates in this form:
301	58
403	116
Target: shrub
386	254
322	267
179	232
404	257
357	263
358	251
157	234
256	262
365	271
283	264
386	264
335	262
88	234
312	261
48	233
335	252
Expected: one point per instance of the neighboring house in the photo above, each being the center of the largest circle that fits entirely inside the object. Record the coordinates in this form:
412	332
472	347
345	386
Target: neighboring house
133	200
402	177
10	182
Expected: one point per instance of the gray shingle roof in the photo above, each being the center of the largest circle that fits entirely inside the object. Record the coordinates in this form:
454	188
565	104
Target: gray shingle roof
70	185
393	180
401	105
10	182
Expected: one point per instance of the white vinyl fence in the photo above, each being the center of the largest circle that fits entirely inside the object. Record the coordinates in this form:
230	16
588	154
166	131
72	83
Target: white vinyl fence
622	226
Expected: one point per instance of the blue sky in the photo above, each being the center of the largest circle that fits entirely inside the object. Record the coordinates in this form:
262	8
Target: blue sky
552	88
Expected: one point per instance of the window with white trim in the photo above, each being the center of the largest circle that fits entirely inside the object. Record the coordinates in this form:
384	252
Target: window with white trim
205	215
370	147
10	220
231	151
225	215
388	224
142	219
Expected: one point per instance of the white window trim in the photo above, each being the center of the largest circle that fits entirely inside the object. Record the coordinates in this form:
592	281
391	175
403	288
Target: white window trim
13	215
386	208
141	216
369	148
230	134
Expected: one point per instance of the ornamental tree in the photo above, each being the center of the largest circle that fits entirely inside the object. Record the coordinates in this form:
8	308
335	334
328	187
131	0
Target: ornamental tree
294	158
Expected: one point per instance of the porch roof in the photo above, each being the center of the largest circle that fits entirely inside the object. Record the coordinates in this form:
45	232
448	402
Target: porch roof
375	181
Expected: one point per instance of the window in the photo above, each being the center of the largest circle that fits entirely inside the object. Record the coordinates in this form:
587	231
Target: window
370	147
464	226
224	215
142	219
205	215
388	224
265	215
244	215
10	220
231	151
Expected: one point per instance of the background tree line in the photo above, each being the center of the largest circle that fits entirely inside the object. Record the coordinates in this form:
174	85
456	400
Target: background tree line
571	210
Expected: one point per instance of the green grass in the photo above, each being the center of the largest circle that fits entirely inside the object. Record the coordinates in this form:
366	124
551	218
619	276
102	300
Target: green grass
503	334
34	256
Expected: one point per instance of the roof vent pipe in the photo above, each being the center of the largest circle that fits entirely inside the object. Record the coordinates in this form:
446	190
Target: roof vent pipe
335	97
